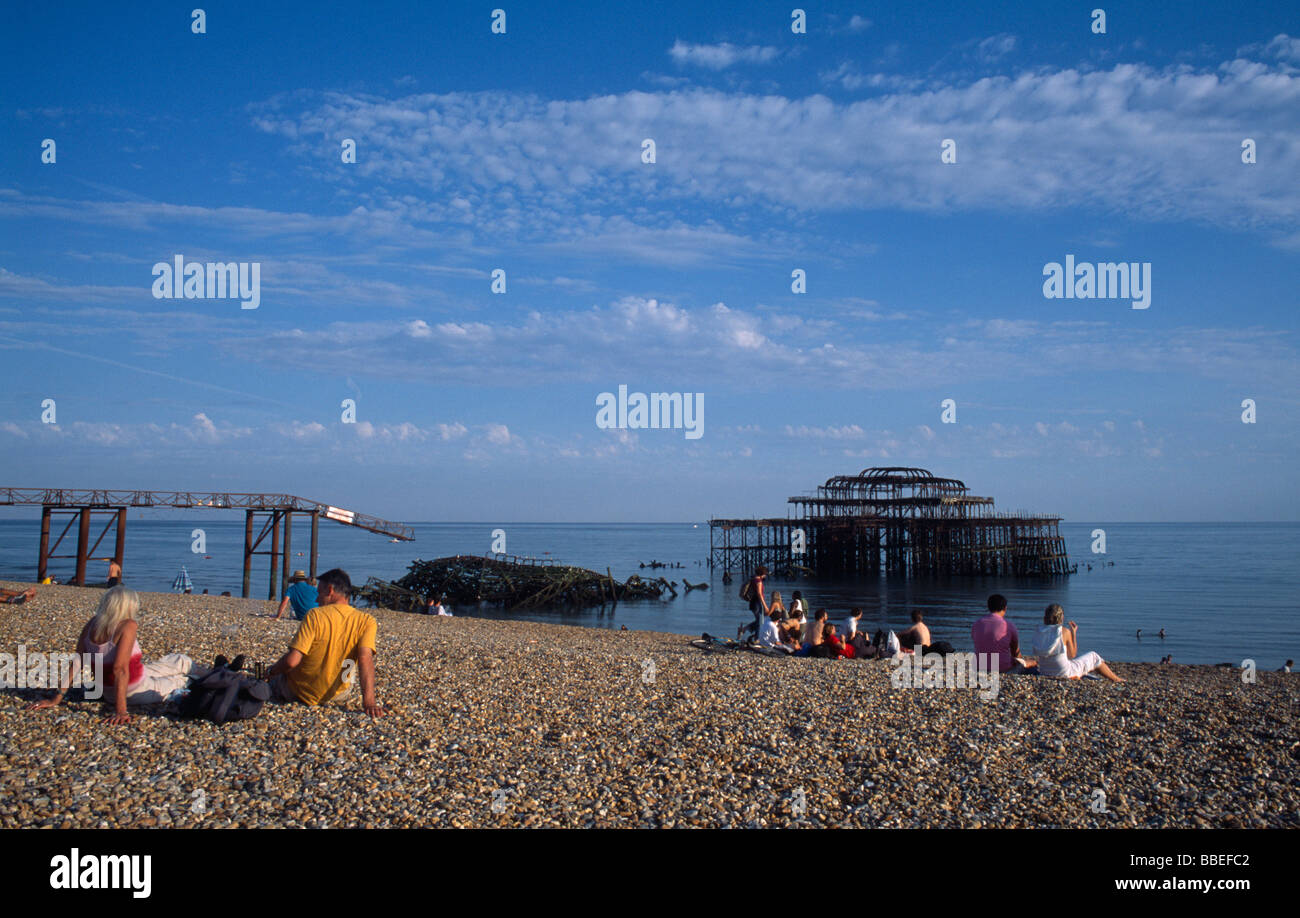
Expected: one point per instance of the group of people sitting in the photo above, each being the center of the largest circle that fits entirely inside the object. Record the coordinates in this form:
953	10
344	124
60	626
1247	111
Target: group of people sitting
332	650
778	628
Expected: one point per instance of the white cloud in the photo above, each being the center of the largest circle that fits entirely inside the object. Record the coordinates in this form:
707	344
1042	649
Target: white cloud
1281	46
1046	140
996	46
846	432
721	56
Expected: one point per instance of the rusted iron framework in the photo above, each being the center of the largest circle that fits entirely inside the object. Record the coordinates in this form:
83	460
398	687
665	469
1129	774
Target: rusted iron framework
894	520
277	511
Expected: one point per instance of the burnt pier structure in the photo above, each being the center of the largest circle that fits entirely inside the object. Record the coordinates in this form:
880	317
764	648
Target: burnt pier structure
899	521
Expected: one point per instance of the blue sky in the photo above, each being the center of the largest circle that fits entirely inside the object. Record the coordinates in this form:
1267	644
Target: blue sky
774	152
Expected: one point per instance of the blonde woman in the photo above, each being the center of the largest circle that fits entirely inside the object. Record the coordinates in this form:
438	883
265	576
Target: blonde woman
1057	648
111	632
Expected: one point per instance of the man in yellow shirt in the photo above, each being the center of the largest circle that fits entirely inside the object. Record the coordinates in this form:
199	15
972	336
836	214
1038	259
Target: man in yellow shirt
334	646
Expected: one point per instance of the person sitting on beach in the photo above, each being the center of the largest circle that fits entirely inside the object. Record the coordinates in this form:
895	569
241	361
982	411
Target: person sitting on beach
771	635
436	607
332	634
795	626
798	605
757	604
1286	667
17	597
814	633
777	605
917	635
993	634
126	675
1057	646
301	595
832	646
851	623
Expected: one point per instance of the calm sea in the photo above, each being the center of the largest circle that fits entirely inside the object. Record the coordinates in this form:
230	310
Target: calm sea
1223	592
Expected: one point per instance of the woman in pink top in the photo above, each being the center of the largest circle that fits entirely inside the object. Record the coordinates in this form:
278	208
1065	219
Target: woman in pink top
126	675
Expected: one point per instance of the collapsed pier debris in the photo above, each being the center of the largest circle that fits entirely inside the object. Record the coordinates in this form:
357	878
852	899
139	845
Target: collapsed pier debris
902	521
512	583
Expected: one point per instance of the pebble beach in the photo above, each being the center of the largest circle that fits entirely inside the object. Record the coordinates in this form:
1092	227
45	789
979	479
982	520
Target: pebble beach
512	724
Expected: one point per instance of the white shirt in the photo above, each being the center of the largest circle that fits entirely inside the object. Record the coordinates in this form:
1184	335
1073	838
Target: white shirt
850	627
769	635
1049	647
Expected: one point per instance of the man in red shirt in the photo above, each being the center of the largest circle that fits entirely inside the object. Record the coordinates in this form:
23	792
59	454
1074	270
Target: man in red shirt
993	634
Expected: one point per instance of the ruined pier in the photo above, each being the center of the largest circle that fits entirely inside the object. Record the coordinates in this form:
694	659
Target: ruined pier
897	521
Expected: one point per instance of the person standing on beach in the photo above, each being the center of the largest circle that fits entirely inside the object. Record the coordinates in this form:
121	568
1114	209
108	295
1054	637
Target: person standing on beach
114	574
333	640
753	591
993	634
301	595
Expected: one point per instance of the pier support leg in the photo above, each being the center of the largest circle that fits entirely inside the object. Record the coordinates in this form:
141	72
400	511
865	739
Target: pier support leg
315	521
275	552
43	561
284	567
83	545
248	551
119	547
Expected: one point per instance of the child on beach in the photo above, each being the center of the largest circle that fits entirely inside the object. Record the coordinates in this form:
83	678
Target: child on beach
130	679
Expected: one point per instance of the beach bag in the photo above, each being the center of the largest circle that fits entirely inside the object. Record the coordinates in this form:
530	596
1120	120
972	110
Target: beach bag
222	696
747	591
892	645
940	647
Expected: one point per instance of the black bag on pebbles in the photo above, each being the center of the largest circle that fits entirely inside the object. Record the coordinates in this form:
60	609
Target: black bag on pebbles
222	696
